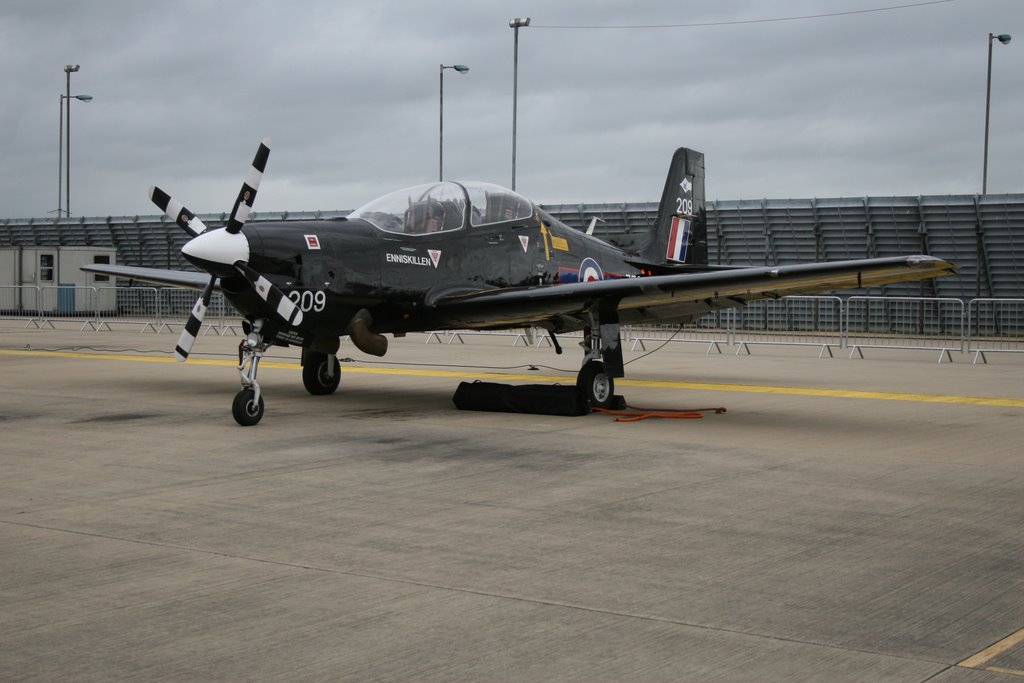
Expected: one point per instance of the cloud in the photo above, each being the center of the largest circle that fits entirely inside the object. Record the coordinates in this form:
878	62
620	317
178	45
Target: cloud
880	103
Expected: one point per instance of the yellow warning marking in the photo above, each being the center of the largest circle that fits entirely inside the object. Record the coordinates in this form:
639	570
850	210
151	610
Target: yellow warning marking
530	377
559	243
544	236
979	660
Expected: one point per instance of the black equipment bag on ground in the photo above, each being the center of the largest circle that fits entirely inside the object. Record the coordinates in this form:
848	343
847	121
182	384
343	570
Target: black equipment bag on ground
537	399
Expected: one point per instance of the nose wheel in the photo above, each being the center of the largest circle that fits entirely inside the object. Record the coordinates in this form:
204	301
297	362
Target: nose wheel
247	408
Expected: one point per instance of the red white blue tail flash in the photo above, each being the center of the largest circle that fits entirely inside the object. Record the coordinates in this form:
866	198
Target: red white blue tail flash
678	239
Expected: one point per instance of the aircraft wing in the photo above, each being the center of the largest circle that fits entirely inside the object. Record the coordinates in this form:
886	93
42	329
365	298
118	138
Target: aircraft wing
173	278
679	297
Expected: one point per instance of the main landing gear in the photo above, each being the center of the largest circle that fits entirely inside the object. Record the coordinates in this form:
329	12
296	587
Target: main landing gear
595	384
602	362
321	372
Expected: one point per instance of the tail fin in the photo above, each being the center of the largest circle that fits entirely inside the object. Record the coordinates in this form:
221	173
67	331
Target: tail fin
680	234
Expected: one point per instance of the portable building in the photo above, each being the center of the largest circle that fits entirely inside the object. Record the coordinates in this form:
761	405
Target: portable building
49	279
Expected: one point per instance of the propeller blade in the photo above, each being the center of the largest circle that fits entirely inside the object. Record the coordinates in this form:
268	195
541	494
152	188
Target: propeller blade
177	212
282	305
247	195
195	321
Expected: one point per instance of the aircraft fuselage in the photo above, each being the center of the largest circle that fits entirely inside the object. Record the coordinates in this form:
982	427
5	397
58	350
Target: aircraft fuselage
332	269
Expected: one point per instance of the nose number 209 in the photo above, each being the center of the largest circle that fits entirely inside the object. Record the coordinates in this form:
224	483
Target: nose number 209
308	300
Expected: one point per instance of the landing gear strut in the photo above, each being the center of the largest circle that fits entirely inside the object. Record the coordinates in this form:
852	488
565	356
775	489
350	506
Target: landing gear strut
602	362
247	408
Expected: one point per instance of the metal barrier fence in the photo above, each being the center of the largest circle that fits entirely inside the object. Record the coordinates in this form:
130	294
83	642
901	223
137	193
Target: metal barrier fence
994	326
531	336
66	303
15	301
981	326
904	323
713	330
155	309
791	321
134	305
176	305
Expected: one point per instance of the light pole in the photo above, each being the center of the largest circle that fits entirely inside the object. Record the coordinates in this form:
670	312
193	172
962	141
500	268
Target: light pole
60	146
515	25
1003	38
461	68
69	69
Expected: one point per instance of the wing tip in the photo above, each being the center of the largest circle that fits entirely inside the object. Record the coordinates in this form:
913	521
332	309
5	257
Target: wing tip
930	262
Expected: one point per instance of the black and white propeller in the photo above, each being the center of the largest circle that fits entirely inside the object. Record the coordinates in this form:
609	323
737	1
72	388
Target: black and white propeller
224	252
195	322
174	209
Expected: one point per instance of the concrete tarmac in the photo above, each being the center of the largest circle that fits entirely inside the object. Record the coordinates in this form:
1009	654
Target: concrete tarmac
844	520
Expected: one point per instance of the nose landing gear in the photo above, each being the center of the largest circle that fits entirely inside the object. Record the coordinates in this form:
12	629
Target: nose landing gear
247	408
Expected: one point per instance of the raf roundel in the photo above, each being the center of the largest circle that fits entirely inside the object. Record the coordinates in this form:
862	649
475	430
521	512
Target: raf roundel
590	271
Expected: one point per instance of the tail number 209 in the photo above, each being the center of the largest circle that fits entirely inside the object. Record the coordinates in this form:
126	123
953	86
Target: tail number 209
308	300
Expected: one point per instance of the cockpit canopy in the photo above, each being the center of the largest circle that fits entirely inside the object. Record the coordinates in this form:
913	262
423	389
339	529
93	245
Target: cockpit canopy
442	206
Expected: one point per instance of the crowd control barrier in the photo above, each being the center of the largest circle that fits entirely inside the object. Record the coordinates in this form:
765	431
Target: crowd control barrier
994	326
944	325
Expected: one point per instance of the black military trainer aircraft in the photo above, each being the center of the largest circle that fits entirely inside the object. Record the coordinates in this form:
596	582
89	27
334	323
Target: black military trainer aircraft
470	255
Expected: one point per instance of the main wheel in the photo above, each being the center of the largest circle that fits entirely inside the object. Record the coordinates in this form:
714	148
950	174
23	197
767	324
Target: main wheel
315	373
596	386
245	409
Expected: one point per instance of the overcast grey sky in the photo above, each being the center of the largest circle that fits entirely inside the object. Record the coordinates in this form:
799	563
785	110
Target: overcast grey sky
880	103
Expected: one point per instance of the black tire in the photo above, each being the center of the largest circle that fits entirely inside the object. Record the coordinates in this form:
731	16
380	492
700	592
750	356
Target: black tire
314	373
597	387
245	410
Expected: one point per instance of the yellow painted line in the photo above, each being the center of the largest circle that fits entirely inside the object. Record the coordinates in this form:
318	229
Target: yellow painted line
504	376
469	372
831	393
109	356
979	660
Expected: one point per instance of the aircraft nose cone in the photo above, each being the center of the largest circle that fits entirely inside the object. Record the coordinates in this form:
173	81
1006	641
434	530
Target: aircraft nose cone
217	250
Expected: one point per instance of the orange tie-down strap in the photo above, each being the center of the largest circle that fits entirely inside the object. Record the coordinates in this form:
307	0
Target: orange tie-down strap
635	414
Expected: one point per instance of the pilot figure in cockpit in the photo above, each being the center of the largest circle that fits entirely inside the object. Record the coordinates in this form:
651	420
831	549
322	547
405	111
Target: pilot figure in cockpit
423	217
500	208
